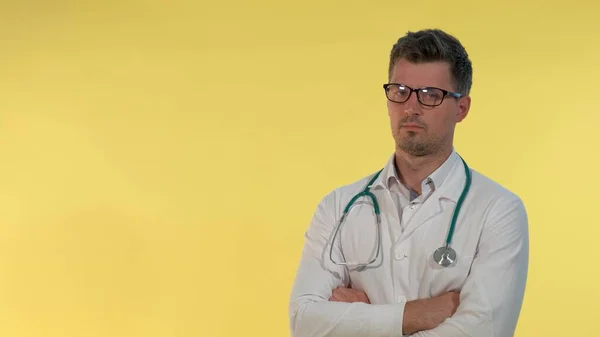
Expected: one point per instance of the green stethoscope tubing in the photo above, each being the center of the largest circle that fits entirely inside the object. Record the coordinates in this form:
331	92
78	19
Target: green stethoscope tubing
460	202
443	253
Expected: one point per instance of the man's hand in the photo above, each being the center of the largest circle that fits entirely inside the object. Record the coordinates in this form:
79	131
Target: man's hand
349	295
427	314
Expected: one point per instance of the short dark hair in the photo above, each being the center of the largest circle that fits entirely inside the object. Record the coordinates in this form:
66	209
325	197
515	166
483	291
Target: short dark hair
432	45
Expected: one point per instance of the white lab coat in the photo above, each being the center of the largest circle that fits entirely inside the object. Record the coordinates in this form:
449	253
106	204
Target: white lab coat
491	240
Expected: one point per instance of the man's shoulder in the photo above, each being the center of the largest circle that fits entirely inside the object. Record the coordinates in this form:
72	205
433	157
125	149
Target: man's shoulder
491	186
496	195
345	192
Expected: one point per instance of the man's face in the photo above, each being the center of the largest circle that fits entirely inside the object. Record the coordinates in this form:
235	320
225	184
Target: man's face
421	130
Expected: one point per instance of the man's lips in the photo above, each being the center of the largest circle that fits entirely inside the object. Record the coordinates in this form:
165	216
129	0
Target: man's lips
411	126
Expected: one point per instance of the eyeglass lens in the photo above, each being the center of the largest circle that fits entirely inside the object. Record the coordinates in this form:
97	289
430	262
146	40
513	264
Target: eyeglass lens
427	96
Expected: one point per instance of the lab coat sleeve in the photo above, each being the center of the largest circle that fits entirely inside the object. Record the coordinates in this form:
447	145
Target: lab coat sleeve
310	311
492	296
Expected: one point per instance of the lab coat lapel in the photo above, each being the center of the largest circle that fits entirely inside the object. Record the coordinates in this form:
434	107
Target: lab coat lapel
429	211
442	201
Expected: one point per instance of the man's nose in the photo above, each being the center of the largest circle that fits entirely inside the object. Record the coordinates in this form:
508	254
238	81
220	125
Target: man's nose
412	106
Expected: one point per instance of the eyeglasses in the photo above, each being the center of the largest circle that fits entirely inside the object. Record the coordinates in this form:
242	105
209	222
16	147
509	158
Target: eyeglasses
429	96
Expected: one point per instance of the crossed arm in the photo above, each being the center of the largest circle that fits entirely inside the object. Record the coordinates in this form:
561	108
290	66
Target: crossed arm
488	305
423	314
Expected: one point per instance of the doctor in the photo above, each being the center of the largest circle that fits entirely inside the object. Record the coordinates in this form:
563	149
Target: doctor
449	255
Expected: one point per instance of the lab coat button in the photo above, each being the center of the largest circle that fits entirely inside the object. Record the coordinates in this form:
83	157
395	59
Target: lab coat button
401	299
400	255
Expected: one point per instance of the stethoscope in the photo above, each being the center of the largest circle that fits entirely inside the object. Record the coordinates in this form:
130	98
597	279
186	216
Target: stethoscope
445	256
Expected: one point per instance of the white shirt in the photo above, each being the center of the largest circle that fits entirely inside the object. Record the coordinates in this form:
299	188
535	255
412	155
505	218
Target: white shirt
491	241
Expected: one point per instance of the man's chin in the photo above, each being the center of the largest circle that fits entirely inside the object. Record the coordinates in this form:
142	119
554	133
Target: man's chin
414	149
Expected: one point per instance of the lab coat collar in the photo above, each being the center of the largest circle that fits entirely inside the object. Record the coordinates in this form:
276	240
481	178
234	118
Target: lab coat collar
441	177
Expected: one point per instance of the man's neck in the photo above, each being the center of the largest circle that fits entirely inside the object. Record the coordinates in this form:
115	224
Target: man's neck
413	170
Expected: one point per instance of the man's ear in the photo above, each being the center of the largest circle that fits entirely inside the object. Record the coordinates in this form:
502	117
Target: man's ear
464	105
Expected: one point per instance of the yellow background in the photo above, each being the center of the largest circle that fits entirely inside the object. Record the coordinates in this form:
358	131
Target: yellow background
161	160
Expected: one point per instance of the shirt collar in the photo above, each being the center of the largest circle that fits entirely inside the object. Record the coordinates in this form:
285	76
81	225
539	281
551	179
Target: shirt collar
437	177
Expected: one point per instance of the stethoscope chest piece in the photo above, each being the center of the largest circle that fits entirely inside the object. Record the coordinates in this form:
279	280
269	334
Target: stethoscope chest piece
445	256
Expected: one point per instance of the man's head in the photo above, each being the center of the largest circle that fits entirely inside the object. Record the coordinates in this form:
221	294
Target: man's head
424	124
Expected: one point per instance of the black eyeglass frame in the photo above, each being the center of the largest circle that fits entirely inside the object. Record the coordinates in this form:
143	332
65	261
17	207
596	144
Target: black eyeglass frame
411	90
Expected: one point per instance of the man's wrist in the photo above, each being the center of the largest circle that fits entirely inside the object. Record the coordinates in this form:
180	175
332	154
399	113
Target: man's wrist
415	317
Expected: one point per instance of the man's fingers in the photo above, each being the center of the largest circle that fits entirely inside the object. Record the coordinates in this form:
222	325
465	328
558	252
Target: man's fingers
345	291
335	298
343	294
340	294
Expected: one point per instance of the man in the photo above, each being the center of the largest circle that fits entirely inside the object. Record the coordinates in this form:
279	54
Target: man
474	284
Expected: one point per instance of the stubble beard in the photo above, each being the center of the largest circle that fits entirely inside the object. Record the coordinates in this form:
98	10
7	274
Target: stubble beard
414	145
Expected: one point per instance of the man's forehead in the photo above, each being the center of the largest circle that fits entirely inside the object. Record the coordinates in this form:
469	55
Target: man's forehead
420	74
